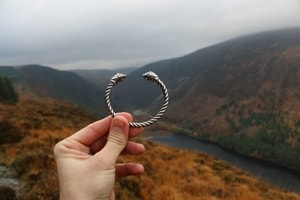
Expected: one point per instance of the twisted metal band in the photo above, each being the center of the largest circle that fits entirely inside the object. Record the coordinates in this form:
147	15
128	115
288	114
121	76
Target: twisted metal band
149	76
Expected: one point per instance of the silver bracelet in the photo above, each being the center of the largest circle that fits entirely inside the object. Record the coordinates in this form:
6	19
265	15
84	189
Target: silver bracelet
149	76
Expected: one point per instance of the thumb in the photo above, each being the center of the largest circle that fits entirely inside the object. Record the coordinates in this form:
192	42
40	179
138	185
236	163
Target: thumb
116	140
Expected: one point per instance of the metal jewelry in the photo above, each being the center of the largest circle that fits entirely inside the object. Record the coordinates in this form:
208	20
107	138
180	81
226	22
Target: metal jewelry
149	76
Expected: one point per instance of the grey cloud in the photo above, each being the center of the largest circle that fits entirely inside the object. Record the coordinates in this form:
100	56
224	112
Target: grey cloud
117	33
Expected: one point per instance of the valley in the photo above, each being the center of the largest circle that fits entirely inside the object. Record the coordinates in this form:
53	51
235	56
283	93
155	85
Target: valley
242	94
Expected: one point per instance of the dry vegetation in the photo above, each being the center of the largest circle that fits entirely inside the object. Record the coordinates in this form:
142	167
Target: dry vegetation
169	173
180	174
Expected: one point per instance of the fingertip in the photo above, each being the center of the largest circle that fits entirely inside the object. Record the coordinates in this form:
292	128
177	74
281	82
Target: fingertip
142	148
133	132
140	168
127	115
129	169
121	122
133	148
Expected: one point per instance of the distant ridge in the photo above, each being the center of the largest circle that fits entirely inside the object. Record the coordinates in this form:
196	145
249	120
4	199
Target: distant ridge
101	77
51	83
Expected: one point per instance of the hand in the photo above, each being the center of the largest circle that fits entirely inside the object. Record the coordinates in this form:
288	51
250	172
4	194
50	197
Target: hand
86	161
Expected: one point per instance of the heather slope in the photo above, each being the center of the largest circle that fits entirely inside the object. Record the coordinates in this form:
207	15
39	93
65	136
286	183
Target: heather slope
169	173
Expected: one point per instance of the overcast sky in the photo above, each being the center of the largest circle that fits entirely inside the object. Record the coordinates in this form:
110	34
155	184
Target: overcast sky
68	34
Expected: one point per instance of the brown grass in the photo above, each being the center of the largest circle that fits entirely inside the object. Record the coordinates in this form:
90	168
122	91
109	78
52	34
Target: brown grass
170	173
180	174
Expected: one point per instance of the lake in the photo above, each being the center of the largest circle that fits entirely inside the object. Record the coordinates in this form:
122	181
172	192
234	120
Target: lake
266	171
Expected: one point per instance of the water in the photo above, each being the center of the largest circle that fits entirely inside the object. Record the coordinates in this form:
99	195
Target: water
273	173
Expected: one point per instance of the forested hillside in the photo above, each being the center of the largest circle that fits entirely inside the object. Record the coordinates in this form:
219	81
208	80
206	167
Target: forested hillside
242	93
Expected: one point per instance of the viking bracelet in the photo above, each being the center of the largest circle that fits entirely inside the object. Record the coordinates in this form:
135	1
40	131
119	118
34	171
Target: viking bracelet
149	76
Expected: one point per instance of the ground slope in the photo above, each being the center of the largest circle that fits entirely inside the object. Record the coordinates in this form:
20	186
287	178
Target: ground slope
33	126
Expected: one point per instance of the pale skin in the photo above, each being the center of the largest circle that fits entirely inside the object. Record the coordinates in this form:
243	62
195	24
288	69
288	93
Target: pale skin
86	161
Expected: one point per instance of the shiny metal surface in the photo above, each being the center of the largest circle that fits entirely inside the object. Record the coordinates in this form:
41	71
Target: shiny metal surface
149	76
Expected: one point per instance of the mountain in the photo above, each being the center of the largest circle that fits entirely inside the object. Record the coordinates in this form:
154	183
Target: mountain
101	77
64	85
28	170
226	69
242	94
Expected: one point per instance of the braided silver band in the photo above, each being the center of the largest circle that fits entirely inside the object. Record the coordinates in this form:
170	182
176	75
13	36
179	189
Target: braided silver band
149	76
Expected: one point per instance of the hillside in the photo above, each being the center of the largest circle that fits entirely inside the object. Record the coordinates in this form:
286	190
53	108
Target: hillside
242	93
100	77
50	83
33	126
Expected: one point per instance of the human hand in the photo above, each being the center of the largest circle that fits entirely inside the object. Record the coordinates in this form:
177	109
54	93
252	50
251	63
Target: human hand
86	161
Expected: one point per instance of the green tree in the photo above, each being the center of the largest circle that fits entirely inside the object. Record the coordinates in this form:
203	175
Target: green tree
7	91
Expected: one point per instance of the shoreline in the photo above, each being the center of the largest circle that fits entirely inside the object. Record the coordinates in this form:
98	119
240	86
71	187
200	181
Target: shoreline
252	158
265	170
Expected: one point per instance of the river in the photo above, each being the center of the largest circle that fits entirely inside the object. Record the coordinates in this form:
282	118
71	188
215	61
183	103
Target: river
273	173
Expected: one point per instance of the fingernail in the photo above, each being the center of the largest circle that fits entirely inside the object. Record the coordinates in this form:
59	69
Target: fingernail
118	126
